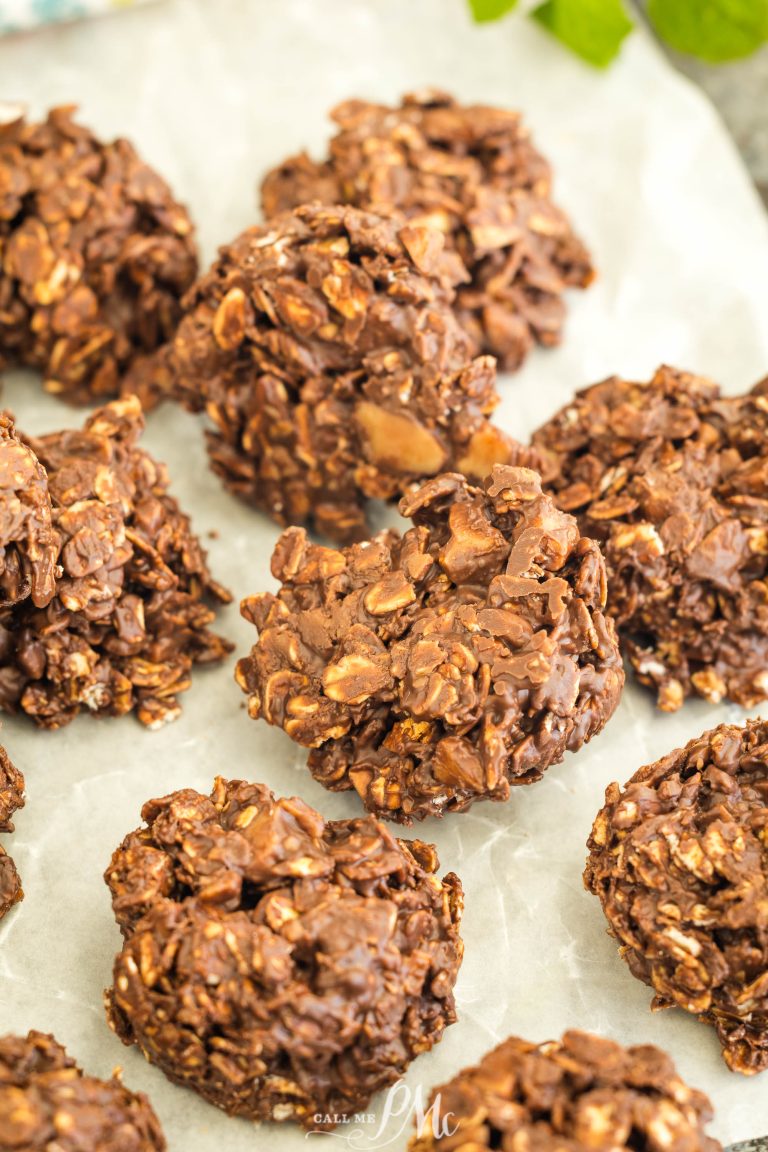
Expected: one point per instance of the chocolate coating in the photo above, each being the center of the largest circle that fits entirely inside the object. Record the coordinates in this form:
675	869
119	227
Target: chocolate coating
94	254
471	173
671	478
276	963
11	799
582	1093
325	351
27	544
47	1103
132	606
444	666
677	858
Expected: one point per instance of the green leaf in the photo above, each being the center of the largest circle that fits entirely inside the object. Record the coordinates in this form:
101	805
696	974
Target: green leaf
592	28
714	30
483	10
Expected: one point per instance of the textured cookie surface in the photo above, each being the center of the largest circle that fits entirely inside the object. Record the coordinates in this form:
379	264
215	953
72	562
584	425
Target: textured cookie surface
444	666
95	254
133	599
47	1103
677	858
27	544
672	479
583	1094
11	799
472	174
281	965
324	349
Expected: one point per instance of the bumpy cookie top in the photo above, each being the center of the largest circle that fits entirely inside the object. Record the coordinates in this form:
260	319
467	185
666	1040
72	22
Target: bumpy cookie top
129	617
677	858
443	666
471	174
583	1093
672	479
27	543
96	254
300	964
46	1102
324	349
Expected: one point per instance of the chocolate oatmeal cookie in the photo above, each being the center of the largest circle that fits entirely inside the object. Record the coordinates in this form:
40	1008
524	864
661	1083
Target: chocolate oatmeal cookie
582	1093
47	1103
472	174
672	479
27	543
324	349
678	860
283	966
443	666
134	600
11	799
95	254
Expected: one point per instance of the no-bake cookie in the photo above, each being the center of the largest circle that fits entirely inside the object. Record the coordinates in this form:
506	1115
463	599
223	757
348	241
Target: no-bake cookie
11	799
324	349
27	543
47	1102
672	479
472	174
135	598
444	666
677	858
283	966
95	254
582	1093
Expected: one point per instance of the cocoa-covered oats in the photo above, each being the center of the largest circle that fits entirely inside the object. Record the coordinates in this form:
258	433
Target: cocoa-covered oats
281	965
580	1094
324	349
472	174
444	666
132	607
677	858
11	799
47	1103
672	479
27	544
95	254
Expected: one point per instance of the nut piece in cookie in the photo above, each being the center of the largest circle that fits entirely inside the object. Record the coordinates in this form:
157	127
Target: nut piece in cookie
472	174
672	479
47	1102
96	254
443	666
11	799
583	1093
677	858
325	351
281	965
134	599
27	542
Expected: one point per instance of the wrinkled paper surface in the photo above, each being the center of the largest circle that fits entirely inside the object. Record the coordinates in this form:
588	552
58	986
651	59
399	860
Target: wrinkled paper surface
214	93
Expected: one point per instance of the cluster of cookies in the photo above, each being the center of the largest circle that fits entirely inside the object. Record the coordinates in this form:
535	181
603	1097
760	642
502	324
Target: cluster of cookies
283	966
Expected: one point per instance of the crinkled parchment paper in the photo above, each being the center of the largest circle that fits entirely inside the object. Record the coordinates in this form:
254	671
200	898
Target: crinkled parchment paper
214	92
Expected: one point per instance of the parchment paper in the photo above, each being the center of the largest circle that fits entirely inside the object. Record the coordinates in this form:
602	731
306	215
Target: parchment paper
214	93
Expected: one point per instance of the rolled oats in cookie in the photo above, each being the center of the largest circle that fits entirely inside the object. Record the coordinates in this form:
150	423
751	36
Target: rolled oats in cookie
27	543
472	174
283	966
671	478
95	254
324	349
134	601
443	666
11	799
677	859
47	1103
582	1093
